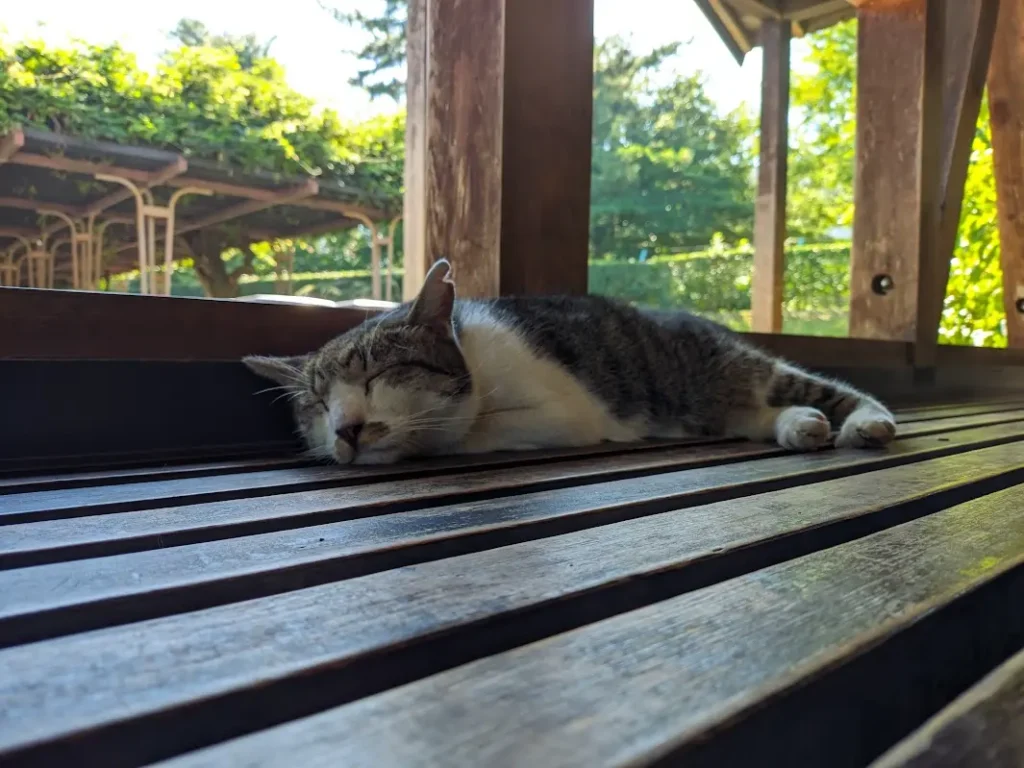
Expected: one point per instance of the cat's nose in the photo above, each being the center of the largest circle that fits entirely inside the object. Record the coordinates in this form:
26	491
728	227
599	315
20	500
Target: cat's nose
350	433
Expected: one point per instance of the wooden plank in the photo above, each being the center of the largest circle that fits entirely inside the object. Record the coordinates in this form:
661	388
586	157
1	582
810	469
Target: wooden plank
498	144
898	142
770	210
26	483
687	679
55	599
982	728
1006	110
116	476
147	691
912	415
76	325
80	502
625	459
969	32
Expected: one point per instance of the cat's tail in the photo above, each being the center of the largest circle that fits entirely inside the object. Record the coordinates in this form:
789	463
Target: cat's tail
862	421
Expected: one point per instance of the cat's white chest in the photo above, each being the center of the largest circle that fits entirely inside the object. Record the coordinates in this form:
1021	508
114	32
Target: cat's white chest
527	401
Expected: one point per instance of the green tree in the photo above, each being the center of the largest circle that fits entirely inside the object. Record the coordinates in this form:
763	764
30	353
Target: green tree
821	158
669	172
250	50
207	102
383	56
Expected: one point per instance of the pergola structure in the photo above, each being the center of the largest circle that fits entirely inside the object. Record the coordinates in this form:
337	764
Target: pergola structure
97	198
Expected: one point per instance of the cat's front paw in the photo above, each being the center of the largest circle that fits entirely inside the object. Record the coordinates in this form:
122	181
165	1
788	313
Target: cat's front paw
867	428
802	429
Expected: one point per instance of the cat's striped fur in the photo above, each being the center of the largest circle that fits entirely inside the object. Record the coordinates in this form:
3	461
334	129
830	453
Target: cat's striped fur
439	376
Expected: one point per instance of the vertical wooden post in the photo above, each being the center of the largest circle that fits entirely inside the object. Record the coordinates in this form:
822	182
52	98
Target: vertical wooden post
1006	108
969	32
498	143
897	169
921	70
770	211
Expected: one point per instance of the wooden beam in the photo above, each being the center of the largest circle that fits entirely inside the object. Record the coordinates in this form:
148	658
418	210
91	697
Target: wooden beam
547	135
156	179
969	32
887	184
770	210
919	88
1006	108
498	143
308	189
24	204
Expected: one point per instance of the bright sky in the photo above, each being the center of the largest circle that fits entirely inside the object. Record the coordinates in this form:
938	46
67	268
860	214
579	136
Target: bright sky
312	46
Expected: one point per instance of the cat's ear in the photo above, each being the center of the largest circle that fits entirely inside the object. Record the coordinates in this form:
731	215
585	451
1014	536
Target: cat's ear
436	300
282	370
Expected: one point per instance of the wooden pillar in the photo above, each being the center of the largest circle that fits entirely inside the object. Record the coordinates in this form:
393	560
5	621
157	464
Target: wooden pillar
770	211
498	140
896	181
921	70
1006	108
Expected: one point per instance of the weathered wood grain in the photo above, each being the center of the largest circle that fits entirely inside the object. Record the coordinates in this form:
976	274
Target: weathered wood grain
59	598
50	541
894	107
498	144
688	678
967	48
117	476
983	728
625	689
147	495
79	502
21	483
1006	111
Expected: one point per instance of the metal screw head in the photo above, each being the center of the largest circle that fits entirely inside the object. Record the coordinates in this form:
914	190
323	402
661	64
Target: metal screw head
882	284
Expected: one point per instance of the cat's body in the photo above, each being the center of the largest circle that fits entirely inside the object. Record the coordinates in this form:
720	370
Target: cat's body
443	377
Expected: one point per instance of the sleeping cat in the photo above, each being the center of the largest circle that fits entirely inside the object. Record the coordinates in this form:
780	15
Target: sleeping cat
439	376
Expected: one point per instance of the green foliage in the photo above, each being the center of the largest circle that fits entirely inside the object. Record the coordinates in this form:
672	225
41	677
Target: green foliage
214	97
383	57
716	282
973	312
668	170
204	101
822	134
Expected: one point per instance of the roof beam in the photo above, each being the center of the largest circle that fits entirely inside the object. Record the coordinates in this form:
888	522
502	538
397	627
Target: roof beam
307	189
69	165
38	206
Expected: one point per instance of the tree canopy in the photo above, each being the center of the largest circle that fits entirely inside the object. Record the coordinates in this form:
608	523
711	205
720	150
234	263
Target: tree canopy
214	97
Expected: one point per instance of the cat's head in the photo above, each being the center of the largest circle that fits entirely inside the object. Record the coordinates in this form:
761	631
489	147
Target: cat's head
393	387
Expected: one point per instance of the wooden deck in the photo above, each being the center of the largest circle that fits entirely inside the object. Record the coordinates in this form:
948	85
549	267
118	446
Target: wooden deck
726	603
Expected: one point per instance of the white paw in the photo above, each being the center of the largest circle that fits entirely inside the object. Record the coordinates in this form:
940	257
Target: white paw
802	429
868	428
